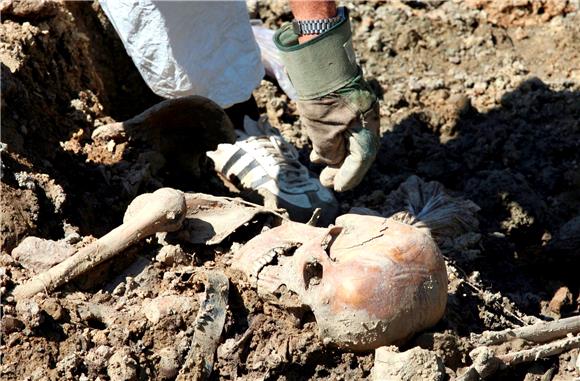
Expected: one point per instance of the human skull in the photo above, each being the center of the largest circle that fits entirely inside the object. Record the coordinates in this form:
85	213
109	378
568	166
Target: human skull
370	281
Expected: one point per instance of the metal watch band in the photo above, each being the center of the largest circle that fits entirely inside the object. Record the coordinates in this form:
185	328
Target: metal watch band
318	26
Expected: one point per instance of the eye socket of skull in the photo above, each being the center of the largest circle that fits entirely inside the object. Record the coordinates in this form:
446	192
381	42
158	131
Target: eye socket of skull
313	267
312	273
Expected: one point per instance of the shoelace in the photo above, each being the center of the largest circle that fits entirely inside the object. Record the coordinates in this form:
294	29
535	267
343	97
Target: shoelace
284	156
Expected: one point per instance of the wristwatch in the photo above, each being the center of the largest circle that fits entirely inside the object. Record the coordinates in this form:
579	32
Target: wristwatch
317	26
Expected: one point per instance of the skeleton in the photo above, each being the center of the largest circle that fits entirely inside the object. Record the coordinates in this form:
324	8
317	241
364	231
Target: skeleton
207	219
370	281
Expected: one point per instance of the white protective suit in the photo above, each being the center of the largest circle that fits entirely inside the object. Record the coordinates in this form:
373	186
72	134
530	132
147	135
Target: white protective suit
190	47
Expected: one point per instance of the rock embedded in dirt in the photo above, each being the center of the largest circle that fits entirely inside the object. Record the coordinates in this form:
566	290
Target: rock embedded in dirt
169	363
122	366
170	255
163	306
10	324
30	313
68	366
414	365
446	345
37	254
53	308
97	358
562	298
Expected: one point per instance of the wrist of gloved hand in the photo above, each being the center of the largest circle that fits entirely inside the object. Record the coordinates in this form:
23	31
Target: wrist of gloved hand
337	107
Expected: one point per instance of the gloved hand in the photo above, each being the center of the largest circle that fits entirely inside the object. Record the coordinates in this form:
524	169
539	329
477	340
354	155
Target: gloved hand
336	105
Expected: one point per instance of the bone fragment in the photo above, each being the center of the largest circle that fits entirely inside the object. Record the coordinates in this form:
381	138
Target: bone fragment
486	362
538	333
211	219
160	211
313	221
208	329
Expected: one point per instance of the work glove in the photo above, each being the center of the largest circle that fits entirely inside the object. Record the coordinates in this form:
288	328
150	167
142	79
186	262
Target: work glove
337	107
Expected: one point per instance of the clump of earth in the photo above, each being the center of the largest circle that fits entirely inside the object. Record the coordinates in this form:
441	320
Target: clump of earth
481	97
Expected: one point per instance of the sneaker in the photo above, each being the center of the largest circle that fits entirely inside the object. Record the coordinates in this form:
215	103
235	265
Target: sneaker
262	161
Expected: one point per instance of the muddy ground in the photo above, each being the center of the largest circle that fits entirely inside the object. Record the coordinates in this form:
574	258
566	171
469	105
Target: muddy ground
477	95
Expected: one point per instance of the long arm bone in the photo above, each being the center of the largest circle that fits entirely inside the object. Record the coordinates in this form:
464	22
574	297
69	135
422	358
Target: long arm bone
539	333
558	337
160	211
486	362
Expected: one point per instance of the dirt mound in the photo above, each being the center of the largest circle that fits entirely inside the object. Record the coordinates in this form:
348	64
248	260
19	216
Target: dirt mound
523	12
481	97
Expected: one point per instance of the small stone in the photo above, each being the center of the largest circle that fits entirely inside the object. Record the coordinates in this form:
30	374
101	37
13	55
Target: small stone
29	312
163	306
171	254
479	88
68	365
37	254
100	337
460	105
122	366
407	40
455	60
415	85
168	363
436	84
374	43
10	324
120	289
414	364
130	283
563	297
53	308
97	357
71	234
226	349
6	259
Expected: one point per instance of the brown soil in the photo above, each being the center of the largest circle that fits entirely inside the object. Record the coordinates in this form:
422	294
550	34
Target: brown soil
482	98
